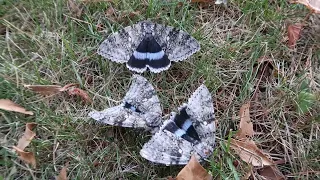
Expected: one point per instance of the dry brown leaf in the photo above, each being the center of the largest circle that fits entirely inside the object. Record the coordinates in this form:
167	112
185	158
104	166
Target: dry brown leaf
313	5
68	86
250	153
294	34
50	89
271	173
79	92
44	89
63	173
193	171
54	89
245	126
27	157
28	135
8	105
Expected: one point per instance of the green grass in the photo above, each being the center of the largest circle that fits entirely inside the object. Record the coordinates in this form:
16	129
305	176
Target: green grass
42	42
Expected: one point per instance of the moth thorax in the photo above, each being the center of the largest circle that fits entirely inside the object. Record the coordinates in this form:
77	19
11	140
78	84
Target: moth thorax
148	28
148	36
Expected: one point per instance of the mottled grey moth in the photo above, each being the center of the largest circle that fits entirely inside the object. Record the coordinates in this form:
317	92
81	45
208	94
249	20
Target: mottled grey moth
191	131
140	107
148	45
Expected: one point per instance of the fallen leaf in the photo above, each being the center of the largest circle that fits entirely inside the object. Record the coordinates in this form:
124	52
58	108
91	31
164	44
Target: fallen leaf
66	87
193	171
294	34
28	135
71	89
27	157
63	173
79	92
74	8
250	153
313	5
8	105
44	89
271	173
245	125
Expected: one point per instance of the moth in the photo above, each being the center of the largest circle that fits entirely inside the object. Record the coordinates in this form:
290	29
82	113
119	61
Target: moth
147	45
140	108
190	131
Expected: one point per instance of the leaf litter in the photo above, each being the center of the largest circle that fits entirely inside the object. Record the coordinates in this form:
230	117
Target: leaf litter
72	90
294	31
28	135
313	5
9	105
44	89
248	151
23	142
63	173
271	173
193	171
245	125
27	157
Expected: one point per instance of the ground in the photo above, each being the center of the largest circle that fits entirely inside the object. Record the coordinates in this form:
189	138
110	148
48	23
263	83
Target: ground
244	57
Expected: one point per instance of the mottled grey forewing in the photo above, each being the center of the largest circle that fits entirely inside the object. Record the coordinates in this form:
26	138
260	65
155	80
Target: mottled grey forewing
119	46
119	116
166	148
200	108
142	95
200	105
177	44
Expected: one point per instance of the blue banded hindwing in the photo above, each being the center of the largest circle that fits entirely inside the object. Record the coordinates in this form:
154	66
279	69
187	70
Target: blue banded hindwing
148	45
191	131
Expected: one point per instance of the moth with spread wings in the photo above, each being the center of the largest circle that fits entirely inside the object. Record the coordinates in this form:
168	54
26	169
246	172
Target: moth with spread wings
191	131
140	107
148	45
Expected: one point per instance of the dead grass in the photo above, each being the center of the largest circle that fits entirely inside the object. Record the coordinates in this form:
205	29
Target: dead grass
43	43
